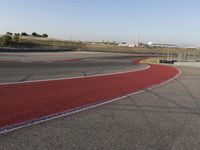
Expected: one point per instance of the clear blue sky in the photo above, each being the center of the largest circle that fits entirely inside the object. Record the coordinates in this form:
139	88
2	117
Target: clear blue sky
169	21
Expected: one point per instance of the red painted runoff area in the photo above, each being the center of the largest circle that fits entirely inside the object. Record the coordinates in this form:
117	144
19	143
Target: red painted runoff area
28	101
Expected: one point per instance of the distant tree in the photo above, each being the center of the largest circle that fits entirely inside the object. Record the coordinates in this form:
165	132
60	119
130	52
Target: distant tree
6	40
16	38
0	41
18	34
34	34
9	33
24	34
44	35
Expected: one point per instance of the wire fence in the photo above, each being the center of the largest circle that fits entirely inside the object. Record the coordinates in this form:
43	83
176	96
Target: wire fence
189	57
183	57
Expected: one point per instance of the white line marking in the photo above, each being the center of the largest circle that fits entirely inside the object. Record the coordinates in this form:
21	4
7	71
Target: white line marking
79	77
63	114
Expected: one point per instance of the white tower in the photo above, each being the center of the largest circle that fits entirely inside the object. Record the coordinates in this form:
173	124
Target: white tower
138	41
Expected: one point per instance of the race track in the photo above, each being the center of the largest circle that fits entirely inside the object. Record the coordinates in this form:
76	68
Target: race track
32	102
164	117
16	71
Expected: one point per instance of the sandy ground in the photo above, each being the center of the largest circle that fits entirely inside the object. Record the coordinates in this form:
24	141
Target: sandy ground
164	118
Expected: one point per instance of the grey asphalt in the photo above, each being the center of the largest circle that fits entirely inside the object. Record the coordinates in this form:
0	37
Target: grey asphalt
164	118
29	57
17	71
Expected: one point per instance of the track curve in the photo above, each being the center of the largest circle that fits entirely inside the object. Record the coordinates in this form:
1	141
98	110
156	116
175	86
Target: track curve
29	103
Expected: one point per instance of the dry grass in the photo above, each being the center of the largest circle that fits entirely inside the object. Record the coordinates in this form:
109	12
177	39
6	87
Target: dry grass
98	47
116	48
154	60
51	43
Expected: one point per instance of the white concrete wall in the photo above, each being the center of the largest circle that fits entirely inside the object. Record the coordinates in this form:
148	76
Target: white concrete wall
191	64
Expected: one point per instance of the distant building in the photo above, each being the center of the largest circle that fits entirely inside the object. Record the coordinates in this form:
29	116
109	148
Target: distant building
150	44
131	45
142	45
124	44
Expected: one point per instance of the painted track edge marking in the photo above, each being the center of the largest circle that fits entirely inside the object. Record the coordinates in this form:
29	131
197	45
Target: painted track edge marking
78	77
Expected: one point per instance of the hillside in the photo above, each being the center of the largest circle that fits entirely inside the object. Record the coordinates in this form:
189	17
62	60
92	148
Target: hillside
36	42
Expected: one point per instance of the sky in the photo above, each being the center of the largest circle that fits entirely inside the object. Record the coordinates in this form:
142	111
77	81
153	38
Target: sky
158	21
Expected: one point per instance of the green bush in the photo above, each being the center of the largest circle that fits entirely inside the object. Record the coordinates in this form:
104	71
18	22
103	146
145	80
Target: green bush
16	38
45	35
24	34
6	40
0	41
9	33
35	34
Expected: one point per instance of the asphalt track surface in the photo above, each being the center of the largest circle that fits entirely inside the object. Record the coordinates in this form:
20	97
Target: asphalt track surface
163	118
14	72
18	71
37	101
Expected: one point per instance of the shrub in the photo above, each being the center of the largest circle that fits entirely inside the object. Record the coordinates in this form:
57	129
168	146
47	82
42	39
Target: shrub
24	34
0	41
6	40
18	34
16	38
9	33
34	34
45	35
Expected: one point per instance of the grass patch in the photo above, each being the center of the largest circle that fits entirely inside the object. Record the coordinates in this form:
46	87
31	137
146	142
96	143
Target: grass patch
36	42
154	60
51	43
146	50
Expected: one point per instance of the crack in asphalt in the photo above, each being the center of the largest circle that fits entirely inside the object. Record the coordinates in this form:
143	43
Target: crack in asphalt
150	125
26	78
84	73
188	92
180	131
191	110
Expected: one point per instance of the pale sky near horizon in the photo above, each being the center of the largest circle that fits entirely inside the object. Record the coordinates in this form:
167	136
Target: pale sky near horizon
159	21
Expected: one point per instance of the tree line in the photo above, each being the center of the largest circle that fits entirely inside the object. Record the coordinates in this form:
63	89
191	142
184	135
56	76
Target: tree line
34	34
6	40
10	38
